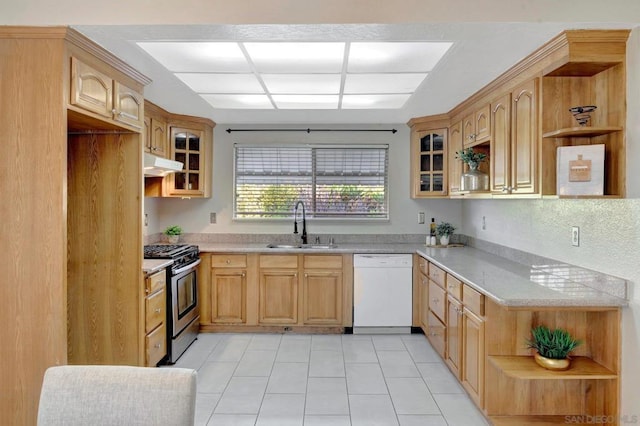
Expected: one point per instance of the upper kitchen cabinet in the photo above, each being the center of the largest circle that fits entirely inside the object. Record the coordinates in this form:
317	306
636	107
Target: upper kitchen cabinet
156	137
527	113
587	68
514	147
476	126
429	153
103	96
190	141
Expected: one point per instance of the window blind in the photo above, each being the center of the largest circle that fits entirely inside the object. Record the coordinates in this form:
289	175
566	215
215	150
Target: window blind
347	181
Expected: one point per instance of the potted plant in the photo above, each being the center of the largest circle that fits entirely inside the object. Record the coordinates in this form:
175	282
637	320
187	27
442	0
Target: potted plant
173	233
445	231
552	347
473	179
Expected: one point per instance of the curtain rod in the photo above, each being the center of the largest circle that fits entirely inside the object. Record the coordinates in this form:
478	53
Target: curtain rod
311	130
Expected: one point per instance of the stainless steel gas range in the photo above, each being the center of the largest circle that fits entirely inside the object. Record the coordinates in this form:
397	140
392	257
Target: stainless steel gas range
183	314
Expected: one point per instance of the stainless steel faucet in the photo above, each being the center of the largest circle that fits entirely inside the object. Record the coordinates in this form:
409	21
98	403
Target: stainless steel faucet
304	221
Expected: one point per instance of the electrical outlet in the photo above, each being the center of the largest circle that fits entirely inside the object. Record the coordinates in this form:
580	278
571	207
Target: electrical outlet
146	219
421	217
212	217
575	236
484	223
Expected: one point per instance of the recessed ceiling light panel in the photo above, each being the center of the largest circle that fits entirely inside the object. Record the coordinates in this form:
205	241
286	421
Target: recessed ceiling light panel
221	83
294	58
374	101
328	84
382	83
306	101
198	56
395	56
239	101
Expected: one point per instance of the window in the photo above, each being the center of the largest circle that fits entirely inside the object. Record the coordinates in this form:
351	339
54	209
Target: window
345	181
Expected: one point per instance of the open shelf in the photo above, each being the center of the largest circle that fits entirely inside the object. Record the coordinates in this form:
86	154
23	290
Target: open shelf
581	132
525	368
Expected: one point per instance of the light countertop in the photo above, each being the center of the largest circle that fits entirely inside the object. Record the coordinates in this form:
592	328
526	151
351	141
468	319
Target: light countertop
507	282
149	266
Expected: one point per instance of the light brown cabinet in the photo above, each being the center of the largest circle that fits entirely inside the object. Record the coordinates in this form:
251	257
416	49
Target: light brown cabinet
454	335
522	117
322	290
591	387
228	290
278	295
476	126
156	138
155	318
182	138
473	359
455	167
264	291
98	93
514	147
429	157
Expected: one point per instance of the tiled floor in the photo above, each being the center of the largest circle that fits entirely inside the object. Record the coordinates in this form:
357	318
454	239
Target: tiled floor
324	380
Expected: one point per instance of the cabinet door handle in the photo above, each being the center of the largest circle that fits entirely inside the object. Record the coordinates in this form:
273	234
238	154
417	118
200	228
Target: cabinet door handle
157	346
242	275
228	261
158	310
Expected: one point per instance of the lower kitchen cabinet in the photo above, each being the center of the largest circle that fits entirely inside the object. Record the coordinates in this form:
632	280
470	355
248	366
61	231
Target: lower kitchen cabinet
155	318
472	376
278	294
228	293
454	335
322	290
260	291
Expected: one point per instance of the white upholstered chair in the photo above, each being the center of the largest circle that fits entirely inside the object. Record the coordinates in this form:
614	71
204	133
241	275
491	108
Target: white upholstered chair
81	395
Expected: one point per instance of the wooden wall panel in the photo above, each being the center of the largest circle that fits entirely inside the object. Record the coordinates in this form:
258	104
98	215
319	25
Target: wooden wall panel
32	216
105	249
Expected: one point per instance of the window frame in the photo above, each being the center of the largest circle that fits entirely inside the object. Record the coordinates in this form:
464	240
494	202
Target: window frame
311	214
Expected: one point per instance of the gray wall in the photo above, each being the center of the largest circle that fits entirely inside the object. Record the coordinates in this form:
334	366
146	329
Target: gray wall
193	215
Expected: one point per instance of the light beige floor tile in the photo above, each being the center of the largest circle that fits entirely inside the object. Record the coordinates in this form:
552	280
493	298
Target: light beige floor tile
288	377
365	378
372	410
411	396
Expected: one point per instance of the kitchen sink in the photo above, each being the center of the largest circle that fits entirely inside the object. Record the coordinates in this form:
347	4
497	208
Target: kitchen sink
302	246
283	246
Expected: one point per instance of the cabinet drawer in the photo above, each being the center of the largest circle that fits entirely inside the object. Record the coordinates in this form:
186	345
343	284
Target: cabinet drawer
155	282
322	261
437	300
437	275
228	260
423	265
473	300
156	310
279	261
156	343
436	334
454	287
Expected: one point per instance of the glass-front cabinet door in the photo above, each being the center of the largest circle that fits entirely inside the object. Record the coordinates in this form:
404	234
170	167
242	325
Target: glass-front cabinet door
187	147
429	163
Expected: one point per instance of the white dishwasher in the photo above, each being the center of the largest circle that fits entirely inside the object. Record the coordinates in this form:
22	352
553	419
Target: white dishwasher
382	293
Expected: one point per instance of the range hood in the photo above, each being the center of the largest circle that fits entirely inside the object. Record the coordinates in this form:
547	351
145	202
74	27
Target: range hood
158	166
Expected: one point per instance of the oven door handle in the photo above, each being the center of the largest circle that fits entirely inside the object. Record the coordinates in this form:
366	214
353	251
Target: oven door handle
186	268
